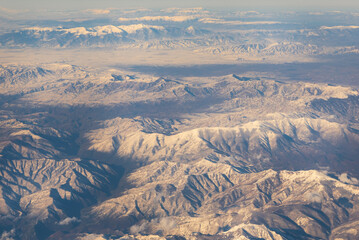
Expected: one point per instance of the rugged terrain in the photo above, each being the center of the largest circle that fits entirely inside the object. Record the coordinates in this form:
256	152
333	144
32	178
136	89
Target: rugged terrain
105	153
179	124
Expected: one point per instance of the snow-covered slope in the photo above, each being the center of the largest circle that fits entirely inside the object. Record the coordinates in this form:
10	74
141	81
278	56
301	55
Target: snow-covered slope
301	143
239	37
214	198
235	157
52	192
98	36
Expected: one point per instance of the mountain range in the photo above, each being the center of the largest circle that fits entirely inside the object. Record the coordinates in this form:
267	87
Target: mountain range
110	154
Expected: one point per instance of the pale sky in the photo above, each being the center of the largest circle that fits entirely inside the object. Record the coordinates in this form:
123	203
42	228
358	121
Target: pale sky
325	5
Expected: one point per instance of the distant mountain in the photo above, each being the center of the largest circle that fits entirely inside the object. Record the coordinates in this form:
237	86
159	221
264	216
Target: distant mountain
257	44
100	36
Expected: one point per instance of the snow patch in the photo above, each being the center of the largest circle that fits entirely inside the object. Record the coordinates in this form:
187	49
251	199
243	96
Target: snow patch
136	27
222	21
160	18
339	27
346	179
91	237
68	221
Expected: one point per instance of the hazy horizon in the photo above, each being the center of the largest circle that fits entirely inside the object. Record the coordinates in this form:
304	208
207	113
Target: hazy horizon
277	5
